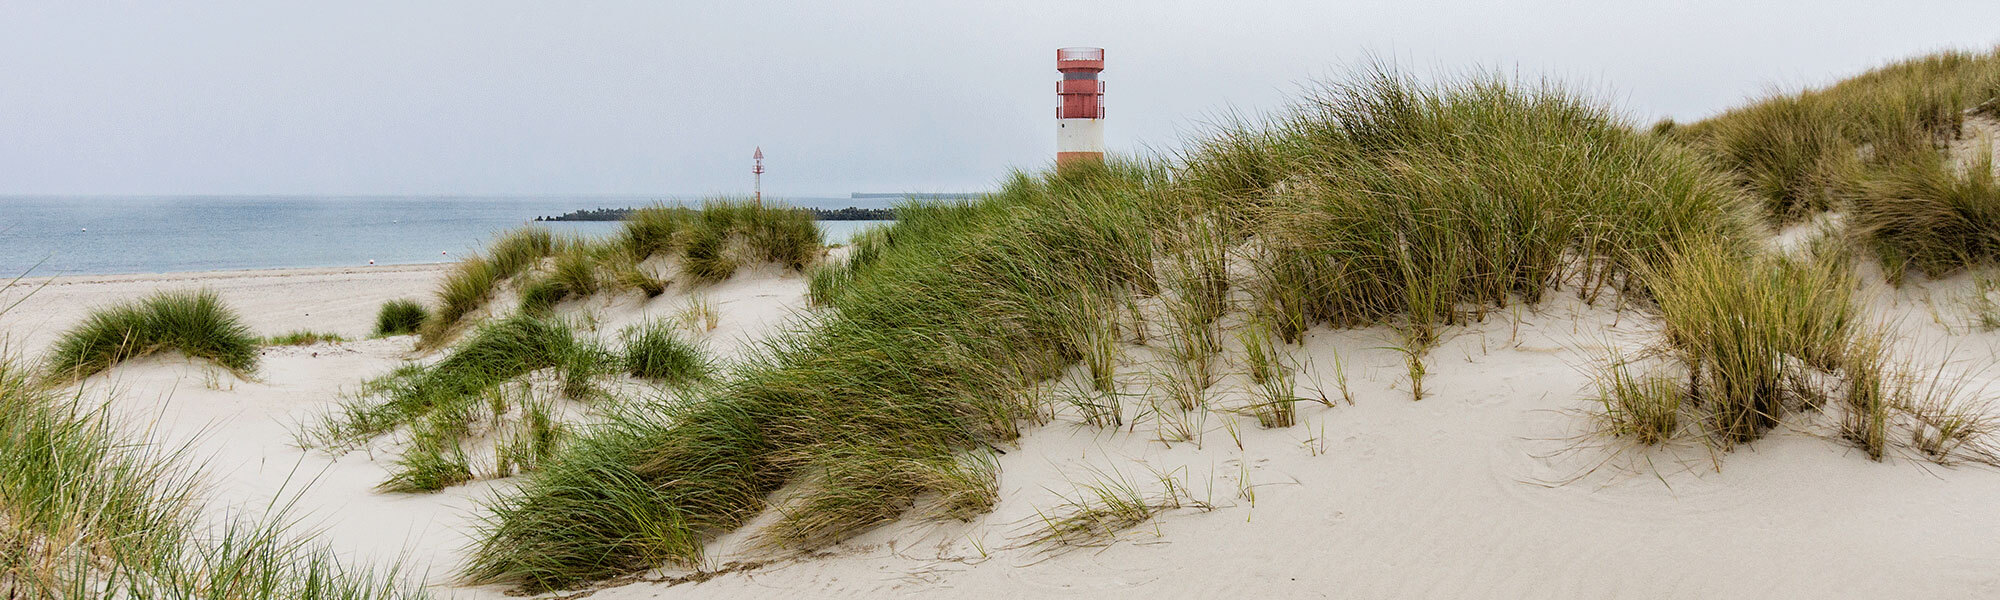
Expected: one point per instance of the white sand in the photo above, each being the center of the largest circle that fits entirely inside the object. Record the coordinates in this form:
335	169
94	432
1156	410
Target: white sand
243	430
1489	487
1980	140
338	300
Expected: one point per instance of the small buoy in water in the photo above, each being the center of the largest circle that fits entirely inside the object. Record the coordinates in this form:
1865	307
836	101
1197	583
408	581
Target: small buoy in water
86	229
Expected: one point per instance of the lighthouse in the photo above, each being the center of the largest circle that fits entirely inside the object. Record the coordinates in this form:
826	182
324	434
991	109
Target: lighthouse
1080	117
757	176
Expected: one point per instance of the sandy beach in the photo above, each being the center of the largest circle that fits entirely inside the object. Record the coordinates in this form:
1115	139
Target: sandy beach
339	300
242	431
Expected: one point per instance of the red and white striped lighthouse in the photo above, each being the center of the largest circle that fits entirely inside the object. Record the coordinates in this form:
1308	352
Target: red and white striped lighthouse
1080	118
758	172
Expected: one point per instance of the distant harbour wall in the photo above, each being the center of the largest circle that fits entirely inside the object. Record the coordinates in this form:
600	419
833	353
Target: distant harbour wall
915	196
851	213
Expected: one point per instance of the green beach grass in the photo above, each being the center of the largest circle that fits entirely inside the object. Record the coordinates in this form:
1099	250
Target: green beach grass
87	511
402	316
708	245
934	330
194	323
438	403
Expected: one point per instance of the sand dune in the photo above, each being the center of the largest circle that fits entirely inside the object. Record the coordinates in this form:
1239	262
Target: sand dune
242	430
1489	487
1492	487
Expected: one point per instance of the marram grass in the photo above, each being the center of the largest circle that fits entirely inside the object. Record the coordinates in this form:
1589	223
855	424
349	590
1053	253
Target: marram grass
401	316
1924	214
1421	206
917	363
1754	340
303	337
1383	201
90	513
722	235
575	275
709	245
437	403
195	323
471	283
1742	325
1803	153
656	351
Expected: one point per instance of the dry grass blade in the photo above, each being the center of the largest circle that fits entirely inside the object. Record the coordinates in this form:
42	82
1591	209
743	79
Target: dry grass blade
1099	511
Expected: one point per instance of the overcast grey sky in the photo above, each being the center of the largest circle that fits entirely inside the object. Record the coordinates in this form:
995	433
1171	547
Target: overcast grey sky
501	97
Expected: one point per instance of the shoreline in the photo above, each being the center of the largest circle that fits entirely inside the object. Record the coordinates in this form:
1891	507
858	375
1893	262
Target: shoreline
39	269
83	278
341	300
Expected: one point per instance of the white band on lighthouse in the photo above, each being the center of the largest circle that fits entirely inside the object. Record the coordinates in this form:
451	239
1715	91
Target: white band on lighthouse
1080	135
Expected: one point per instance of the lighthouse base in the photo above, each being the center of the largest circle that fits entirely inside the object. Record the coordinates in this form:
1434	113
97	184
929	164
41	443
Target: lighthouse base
1066	159
1079	140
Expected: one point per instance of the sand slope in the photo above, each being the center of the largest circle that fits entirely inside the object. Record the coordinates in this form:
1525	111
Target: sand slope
242	430
1489	487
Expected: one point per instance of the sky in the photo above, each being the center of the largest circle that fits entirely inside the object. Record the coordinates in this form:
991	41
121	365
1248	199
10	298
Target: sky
670	98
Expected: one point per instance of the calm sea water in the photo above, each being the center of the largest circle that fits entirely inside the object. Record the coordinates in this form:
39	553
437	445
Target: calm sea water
44	236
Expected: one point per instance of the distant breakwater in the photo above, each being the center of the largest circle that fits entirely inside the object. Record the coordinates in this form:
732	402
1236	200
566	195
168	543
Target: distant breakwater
851	213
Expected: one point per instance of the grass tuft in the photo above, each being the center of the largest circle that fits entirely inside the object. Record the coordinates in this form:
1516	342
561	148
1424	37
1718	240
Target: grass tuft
1273	374
655	230
706	259
656	351
829	279
626	271
303	337
1644	409
471	282
1923	214
1747	329
194	323
1419	206
846	486
573	276
437	402
465	289
724	234
1100	511
401	316
1801	153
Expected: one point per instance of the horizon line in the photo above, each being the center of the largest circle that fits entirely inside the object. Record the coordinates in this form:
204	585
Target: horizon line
554	195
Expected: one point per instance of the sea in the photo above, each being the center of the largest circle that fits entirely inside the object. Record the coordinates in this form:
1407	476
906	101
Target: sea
44	236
